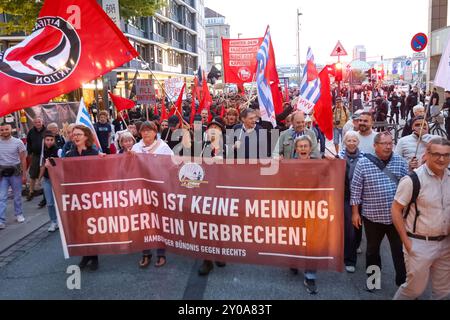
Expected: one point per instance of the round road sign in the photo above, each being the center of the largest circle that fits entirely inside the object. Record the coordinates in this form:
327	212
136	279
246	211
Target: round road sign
419	42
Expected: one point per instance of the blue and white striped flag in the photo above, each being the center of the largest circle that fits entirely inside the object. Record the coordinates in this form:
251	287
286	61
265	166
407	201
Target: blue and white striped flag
84	118
310	86
265	98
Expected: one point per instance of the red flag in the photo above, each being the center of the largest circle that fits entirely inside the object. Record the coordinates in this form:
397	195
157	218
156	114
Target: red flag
164	115
193	111
177	109
222	111
207	101
323	109
122	103
65	50
239	59
155	111
272	76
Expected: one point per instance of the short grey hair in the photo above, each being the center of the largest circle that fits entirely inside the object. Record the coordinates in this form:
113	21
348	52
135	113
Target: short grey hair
440	141
351	134
418	108
126	136
53	125
381	135
303	138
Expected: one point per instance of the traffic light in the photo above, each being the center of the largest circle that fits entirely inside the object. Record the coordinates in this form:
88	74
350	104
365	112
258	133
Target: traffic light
338	72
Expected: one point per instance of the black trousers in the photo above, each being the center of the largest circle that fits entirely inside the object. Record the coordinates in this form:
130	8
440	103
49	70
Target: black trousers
375	233
352	237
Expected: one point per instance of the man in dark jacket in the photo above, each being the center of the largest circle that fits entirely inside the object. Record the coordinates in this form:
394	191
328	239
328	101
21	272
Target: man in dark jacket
246	136
34	149
411	101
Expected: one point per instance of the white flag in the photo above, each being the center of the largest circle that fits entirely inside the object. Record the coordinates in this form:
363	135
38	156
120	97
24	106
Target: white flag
442	78
84	118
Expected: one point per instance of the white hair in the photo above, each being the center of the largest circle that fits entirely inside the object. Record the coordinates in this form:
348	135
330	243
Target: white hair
419	107
351	134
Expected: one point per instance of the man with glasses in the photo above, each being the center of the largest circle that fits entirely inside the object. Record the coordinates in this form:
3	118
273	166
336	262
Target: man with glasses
425	231
373	186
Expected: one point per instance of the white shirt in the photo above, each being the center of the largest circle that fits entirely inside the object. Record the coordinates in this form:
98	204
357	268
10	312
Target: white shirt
161	149
406	147
366	143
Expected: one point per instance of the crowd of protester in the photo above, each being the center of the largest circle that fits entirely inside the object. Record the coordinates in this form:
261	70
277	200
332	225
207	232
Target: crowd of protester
379	182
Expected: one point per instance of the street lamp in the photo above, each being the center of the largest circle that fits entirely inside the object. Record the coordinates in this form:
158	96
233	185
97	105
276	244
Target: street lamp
298	45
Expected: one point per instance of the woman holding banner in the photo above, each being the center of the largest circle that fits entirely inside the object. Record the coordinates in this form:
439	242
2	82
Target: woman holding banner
303	149
214	147
83	146
352	236
150	144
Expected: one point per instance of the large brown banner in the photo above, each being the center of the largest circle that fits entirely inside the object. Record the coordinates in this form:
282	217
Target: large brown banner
126	203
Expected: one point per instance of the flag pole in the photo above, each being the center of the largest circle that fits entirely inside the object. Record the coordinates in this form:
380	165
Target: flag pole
123	120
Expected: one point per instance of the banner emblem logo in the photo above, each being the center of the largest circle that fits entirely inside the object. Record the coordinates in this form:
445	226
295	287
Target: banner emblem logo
244	74
191	176
46	57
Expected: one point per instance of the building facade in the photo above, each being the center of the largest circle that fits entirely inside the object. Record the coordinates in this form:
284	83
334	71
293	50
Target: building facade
360	53
438	33
216	29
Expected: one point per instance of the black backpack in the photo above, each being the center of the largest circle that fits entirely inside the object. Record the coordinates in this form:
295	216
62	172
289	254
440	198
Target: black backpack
416	190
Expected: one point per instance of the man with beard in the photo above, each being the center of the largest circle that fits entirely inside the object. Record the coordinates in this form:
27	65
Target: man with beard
365	134
13	172
34	149
407	146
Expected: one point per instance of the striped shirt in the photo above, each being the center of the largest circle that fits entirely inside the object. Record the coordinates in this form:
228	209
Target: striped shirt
10	151
375	190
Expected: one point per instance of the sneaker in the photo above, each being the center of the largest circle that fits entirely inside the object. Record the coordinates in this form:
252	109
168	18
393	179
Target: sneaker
205	268
310	286
359	251
20	218
53	227
350	269
2	226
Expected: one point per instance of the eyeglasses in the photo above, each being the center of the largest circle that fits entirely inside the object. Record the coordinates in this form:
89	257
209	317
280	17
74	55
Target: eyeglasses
388	144
78	134
438	155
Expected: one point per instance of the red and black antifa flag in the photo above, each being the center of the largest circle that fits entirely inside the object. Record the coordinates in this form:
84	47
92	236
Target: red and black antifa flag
73	42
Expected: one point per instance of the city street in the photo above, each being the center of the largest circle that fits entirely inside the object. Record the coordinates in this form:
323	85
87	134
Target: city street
34	268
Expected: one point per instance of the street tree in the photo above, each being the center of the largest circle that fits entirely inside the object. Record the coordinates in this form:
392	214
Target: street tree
22	14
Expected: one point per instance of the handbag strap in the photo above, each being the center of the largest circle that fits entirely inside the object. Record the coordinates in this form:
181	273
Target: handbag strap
380	165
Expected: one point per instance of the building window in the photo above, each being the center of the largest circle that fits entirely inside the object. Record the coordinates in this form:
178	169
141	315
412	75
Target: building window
159	55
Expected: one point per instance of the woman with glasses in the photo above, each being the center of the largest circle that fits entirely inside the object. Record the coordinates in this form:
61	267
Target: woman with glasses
83	146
